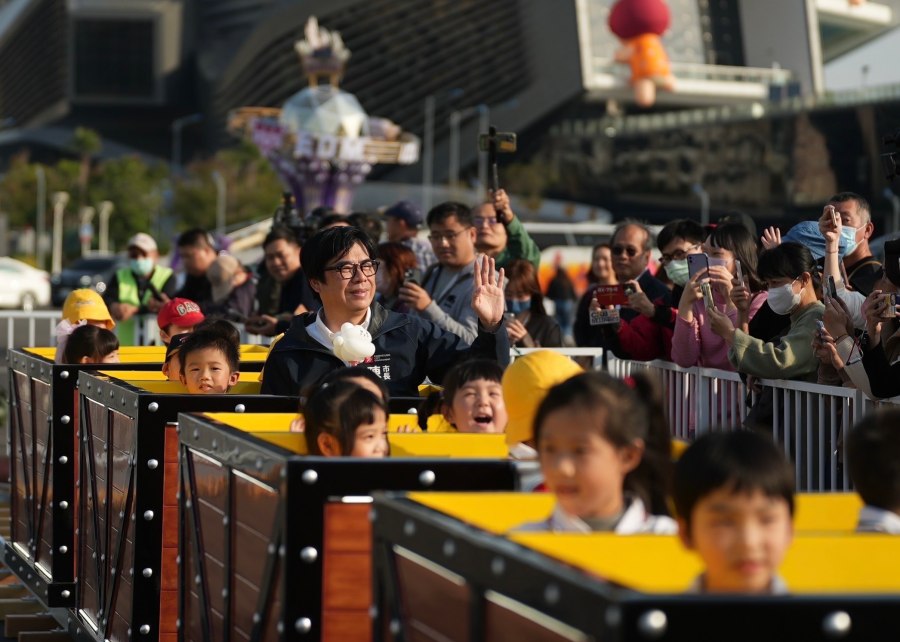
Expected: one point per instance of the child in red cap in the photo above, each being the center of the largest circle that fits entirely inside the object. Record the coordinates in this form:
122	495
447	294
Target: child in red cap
178	316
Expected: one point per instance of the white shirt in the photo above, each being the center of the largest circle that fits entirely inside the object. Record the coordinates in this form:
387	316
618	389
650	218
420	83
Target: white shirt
634	520
878	520
321	334
698	586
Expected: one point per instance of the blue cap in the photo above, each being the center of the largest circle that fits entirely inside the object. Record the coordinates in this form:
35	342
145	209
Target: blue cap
406	212
807	233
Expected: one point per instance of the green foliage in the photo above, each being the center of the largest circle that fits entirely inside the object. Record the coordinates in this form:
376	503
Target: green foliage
144	193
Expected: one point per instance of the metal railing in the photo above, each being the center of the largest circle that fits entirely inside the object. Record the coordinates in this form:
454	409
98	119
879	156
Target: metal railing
808	420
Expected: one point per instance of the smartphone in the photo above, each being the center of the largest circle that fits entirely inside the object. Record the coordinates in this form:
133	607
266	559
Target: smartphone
890	303
821	325
708	300
611	295
413	275
835	217
740	273
832	288
697	263
509	316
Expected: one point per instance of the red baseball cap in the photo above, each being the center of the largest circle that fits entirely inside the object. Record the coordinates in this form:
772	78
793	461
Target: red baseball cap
181	312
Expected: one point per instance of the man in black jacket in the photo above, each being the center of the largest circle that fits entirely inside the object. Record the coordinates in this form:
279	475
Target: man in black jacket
340	265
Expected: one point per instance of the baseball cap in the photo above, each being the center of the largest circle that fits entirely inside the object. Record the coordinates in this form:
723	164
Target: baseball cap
143	241
175	345
525	384
220	273
88	305
181	312
405	211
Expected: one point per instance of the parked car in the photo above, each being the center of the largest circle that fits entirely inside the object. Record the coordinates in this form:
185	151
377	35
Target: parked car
22	286
87	272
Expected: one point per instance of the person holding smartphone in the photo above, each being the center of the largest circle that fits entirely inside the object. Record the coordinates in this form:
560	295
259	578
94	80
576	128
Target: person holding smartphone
694	343
631	245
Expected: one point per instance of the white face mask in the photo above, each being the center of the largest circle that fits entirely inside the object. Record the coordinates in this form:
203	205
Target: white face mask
783	299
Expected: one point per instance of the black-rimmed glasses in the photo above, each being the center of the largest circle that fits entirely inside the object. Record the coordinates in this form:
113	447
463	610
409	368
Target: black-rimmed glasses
445	236
348	270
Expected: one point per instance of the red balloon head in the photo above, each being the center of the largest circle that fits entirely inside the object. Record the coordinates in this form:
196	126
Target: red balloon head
632	18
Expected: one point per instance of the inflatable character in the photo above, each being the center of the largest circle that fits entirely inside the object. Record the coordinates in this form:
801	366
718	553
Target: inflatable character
352	344
639	25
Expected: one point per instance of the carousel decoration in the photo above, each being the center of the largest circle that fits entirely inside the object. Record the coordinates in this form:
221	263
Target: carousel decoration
322	142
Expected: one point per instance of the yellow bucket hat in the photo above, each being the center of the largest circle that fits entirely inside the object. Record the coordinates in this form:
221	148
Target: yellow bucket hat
525	384
87	305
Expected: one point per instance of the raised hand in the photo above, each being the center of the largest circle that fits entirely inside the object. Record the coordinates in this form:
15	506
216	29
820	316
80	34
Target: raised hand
771	237
721	279
488	298
836	319
639	301
720	323
740	297
830	226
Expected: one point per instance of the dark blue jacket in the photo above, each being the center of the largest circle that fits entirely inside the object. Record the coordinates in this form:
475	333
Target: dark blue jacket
407	349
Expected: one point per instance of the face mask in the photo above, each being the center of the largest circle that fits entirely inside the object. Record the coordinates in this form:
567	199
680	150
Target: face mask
518	307
678	271
847	242
783	299
142	267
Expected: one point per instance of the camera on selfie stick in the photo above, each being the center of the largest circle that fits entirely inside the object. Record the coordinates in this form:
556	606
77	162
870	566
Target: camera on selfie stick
494	143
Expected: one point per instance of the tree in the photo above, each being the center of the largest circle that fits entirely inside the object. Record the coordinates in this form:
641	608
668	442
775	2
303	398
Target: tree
86	143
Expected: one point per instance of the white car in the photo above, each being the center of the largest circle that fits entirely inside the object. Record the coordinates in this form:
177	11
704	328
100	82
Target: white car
22	286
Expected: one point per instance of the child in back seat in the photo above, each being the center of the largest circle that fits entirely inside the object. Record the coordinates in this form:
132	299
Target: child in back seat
873	461
598	457
734	495
346	419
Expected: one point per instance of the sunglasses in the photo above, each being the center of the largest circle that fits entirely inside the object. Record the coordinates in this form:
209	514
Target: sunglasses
619	250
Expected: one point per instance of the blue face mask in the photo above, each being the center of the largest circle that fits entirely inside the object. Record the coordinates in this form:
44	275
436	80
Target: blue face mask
518	307
142	267
847	242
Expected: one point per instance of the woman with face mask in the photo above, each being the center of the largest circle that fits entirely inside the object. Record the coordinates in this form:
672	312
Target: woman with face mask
528	324
694	343
792	280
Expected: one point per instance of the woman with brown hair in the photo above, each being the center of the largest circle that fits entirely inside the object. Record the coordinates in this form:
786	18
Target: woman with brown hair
398	262
528	324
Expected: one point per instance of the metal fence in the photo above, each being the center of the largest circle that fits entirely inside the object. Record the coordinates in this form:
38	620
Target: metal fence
808	420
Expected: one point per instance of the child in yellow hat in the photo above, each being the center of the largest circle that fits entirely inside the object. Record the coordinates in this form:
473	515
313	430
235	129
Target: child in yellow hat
82	307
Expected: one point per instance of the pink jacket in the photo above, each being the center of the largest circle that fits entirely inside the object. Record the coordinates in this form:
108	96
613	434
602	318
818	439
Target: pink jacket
695	344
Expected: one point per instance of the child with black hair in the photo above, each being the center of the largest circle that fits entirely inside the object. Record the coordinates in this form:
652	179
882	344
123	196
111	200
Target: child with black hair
209	362
873	461
360	375
472	399
592	432
171	366
346	419
223	326
91	344
734	496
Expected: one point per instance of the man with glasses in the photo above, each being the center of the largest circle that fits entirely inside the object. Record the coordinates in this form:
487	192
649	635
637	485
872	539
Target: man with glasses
505	239
630	243
341	268
446	290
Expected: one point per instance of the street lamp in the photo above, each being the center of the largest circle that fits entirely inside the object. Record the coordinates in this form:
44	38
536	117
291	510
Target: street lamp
219	180
456	118
41	224
895	204
60	200
428	144
86	229
106	210
177	125
703	195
